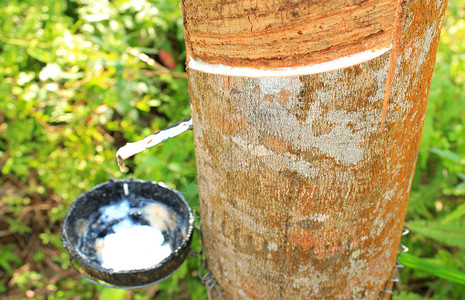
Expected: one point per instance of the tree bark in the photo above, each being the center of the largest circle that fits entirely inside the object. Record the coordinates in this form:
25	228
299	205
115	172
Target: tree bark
304	180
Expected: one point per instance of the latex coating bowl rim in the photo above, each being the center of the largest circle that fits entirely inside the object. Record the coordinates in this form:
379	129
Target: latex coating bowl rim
134	277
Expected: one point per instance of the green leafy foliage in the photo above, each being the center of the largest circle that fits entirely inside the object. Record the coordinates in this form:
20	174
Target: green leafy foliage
113	294
8	259
438	271
457	214
451	234
79	79
407	296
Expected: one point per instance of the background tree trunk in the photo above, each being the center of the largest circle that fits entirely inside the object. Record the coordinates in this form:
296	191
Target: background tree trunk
304	180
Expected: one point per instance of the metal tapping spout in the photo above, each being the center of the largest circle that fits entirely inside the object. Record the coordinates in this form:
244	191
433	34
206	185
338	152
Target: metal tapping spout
131	149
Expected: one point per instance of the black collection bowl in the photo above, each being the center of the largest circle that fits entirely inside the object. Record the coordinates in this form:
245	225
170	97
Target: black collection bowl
113	191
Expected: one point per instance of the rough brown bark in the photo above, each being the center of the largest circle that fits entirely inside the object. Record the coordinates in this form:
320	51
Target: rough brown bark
304	180
270	34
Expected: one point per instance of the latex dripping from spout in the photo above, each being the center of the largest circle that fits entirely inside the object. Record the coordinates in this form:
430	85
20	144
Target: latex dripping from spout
131	149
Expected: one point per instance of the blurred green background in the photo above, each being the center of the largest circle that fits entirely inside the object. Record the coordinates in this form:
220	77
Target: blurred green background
80	78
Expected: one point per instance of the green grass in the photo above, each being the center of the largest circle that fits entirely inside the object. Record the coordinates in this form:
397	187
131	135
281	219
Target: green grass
74	88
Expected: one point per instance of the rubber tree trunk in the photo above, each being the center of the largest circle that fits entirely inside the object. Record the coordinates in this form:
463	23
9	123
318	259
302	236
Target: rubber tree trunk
307	123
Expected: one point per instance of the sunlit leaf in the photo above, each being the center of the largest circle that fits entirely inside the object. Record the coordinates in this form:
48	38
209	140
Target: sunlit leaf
450	233
112	294
421	264
449	155
455	215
